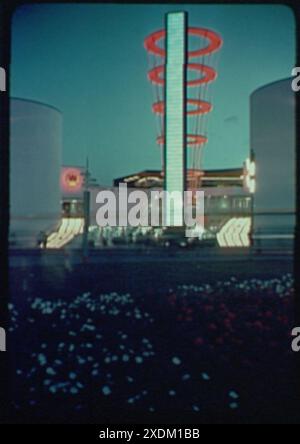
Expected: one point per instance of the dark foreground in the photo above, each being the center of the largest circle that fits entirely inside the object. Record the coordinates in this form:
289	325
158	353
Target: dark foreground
153	338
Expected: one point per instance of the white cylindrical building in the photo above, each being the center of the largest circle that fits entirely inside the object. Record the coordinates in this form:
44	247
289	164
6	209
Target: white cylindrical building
35	163
273	141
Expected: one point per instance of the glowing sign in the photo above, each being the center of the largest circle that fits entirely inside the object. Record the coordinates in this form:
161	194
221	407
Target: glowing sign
175	115
71	180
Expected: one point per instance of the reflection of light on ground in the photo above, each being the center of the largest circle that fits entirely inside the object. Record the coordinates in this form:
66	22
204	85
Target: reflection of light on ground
235	233
69	228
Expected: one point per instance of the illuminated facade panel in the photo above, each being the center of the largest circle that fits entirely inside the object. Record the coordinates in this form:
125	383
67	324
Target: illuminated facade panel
175	116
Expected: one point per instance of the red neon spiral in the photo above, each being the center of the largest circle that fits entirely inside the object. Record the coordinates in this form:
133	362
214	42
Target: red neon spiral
202	107
206	74
215	42
192	140
155	75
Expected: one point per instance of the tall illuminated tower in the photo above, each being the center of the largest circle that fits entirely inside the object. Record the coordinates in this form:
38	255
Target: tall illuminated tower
182	117
175	116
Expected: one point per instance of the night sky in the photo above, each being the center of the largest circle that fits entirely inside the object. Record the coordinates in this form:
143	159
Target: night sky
89	61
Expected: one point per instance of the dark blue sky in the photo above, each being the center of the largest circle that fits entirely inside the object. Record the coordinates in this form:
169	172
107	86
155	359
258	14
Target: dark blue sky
89	61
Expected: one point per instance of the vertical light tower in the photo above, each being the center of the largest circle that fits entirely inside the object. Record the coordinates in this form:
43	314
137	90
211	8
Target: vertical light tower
182	124
175	116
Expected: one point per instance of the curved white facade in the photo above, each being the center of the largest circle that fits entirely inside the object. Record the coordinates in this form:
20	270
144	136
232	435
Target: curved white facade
35	163
273	141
